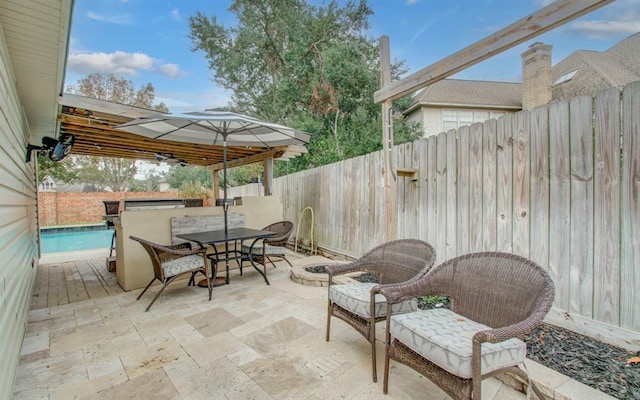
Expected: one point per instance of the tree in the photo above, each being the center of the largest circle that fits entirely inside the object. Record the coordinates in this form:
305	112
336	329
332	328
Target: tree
193	175
117	90
309	67
59	171
116	174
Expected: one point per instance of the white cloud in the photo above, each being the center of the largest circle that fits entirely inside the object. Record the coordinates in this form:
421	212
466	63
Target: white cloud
412	2
170	71
122	19
619	18
120	63
175	14
604	29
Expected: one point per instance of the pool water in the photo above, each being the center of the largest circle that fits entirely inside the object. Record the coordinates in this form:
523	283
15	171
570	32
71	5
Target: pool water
56	242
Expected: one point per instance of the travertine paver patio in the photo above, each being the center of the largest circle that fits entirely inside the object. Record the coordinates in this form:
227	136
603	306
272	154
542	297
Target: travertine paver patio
250	341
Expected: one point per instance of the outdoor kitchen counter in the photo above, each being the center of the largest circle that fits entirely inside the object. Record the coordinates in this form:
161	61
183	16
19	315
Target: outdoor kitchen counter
133	266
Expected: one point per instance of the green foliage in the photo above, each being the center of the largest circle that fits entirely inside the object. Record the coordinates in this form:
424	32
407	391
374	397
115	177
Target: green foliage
432	301
105	172
59	171
193	190
312	68
243	175
150	183
194	175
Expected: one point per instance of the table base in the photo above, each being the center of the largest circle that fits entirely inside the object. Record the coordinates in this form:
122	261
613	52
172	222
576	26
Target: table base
218	281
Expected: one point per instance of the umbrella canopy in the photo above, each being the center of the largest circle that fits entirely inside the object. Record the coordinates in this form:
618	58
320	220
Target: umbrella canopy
217	128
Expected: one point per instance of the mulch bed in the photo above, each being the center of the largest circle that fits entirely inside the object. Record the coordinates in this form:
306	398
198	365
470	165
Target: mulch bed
591	362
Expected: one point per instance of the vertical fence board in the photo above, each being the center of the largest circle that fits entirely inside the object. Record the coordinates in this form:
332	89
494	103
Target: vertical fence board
475	187
440	225
431	150
451	246
463	195
414	188
606	229
423	190
489	203
560	200
630	211
504	187
581	140
539	237
521	182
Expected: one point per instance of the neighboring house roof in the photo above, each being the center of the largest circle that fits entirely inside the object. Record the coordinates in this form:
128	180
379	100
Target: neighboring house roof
468	93
582	72
588	72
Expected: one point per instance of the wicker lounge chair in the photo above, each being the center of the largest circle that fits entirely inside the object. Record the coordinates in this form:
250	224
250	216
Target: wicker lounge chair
357	304
269	248
495	299
170	262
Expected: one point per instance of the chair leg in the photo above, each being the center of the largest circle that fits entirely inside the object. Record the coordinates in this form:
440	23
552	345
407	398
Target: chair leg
145	289
372	339
385	379
328	321
164	286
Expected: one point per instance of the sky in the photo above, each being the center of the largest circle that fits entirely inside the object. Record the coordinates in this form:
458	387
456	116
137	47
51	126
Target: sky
147	41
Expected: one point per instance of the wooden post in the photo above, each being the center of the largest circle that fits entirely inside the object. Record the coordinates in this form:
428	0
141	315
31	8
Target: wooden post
215	185
267	176
390	216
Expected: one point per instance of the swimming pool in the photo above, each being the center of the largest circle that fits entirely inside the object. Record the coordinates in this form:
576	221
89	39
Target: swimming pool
72	239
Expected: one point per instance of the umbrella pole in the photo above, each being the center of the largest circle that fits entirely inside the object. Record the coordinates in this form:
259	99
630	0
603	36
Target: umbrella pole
225	205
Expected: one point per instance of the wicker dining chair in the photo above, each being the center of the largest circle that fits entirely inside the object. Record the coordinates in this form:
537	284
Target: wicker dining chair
358	304
172	261
495	299
269	248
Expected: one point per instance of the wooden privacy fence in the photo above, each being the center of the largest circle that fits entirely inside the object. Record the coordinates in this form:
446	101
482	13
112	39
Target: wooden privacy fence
559	185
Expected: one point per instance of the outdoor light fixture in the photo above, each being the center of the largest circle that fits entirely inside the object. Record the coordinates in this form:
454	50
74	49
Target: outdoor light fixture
169	159
163	157
395	115
56	148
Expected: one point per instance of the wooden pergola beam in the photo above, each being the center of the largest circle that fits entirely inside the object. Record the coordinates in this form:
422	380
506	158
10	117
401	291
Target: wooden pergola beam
541	21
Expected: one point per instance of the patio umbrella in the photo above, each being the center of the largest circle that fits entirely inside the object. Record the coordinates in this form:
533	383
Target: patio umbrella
223	128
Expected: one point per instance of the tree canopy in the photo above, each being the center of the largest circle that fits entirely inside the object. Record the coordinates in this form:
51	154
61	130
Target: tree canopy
118	90
309	67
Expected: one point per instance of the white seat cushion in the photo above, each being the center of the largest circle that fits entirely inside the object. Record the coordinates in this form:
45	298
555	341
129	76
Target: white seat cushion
444	338
356	297
182	264
269	250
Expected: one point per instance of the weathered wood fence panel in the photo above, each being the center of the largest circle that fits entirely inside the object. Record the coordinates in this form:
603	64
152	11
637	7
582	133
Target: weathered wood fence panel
559	184
630	210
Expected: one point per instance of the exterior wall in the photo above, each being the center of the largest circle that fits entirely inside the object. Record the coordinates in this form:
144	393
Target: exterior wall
18	229
432	121
59	208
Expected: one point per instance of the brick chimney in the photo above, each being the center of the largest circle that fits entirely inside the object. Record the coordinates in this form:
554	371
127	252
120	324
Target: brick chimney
536	76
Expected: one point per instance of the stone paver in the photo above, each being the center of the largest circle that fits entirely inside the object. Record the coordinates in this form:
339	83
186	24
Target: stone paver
88	339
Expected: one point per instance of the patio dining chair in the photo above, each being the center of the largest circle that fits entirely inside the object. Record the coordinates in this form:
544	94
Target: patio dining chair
172	261
495	299
269	248
359	304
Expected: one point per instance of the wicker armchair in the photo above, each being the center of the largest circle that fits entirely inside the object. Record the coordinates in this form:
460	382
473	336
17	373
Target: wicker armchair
170	262
358	304
271	247
495	299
